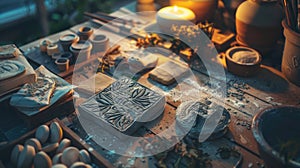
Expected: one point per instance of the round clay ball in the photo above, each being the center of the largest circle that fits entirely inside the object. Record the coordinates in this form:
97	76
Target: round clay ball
57	158
56	132
34	142
50	148
59	166
41	159
25	158
63	145
70	155
42	133
15	153
84	156
79	165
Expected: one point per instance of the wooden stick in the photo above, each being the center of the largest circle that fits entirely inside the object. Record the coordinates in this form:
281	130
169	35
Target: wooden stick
96	17
288	14
120	20
298	16
294	5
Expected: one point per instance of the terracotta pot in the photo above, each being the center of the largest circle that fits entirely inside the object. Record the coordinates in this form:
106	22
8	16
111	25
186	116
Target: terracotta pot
100	43
258	24
62	64
67	40
204	9
145	1
291	55
161	3
81	50
147	7
85	32
276	129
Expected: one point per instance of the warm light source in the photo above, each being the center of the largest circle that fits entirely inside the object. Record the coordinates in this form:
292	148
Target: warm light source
175	8
174	15
204	9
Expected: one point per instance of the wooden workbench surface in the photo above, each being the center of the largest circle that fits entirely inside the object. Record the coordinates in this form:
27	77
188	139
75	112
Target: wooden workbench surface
245	97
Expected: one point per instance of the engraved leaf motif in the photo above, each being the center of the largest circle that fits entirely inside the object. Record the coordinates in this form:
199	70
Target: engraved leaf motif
118	118
105	101
92	107
142	97
121	85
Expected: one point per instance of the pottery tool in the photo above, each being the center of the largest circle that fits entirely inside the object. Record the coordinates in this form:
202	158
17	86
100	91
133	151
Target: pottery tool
108	18
298	15
289	14
117	19
294	4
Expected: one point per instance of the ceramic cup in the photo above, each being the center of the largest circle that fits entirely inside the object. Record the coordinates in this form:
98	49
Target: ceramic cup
85	33
43	45
100	43
291	55
69	56
81	50
67	40
52	49
62	64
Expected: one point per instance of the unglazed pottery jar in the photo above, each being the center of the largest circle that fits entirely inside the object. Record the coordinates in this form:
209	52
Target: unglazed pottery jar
204	9
258	24
81	50
291	55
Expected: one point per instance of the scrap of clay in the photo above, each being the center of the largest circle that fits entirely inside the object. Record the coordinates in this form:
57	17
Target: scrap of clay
168	73
8	51
137	64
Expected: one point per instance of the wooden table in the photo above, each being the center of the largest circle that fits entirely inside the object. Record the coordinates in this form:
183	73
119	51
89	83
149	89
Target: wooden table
245	98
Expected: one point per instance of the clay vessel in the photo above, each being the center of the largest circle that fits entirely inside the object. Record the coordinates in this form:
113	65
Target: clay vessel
258	24
291	55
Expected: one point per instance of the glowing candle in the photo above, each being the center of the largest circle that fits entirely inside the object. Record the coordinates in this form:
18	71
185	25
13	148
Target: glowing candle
174	15
203	9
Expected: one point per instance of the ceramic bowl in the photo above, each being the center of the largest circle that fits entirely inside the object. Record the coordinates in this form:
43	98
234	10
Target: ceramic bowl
100	43
243	61
67	40
62	64
277	133
81	50
85	32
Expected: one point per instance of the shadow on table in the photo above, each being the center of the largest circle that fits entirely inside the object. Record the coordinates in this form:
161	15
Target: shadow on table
268	80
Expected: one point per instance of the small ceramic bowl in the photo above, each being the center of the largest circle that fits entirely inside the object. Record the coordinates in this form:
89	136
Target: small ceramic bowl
100	43
243	61
52	49
62	64
43	45
85	32
277	133
81	50
67	40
